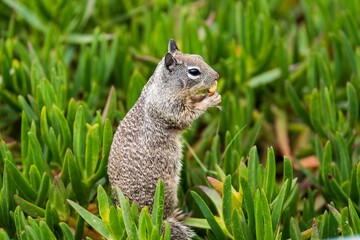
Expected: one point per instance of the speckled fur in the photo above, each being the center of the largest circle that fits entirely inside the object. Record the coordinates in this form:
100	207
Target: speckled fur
147	145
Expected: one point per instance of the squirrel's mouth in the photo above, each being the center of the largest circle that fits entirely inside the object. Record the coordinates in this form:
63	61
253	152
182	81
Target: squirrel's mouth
212	89
209	91
205	92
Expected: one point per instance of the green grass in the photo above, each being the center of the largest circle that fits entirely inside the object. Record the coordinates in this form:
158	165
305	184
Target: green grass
290	84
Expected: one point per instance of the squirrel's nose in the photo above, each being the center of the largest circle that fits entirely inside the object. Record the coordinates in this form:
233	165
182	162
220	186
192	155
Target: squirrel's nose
217	75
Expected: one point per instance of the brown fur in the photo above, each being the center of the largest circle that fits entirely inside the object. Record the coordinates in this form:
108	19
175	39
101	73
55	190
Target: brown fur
147	145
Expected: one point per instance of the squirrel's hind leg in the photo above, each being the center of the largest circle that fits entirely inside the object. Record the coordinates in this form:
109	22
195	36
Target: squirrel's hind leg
179	231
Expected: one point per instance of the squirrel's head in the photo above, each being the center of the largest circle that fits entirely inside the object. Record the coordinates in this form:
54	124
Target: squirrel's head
189	73
180	81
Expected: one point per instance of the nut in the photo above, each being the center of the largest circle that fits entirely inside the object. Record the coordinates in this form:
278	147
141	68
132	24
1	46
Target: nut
212	89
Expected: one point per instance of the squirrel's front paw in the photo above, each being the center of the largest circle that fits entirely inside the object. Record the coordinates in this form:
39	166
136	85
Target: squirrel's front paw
212	100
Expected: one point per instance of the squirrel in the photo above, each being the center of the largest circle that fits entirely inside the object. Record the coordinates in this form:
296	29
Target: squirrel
147	144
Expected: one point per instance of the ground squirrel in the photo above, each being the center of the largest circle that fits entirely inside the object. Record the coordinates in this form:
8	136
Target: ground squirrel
147	145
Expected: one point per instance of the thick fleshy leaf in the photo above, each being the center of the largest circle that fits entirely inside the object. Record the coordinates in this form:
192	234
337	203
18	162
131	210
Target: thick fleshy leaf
158	206
215	228
21	183
29	208
103	205
125	209
227	203
214	197
91	219
197	223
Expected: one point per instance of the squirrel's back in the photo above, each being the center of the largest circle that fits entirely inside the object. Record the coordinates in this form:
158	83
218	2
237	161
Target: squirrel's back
147	145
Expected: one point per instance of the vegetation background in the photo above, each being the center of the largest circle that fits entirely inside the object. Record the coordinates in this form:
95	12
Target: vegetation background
290	79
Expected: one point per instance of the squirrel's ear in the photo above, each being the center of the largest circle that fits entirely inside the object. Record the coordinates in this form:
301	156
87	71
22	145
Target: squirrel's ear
172	46
170	61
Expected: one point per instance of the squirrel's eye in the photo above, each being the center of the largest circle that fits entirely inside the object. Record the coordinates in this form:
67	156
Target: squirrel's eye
194	71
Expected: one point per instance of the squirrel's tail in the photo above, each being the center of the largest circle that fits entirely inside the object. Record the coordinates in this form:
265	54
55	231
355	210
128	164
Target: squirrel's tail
179	231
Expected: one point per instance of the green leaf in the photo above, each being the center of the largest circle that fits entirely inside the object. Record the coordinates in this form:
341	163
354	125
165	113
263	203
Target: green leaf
110	106
28	15
43	189
253	168
35	177
78	186
326	163
134	88
158	205
335	213
215	155
3	235
50	220
353	108
47	92
339	193
35	147
249	203
354	218
71	113
155	235
50	140
6	197
259	223
296	103
24	134
270	174
358	177
91	219
144	218
262	216
344	223
31	115
354	194
227	203
214	197
345	162
65	229
80	224
315	116
226	156
34	226
135	231
220	172
315	235
20	223
21	183
349	53
167	231
294	230
278	205
117	223
29	208
107	140
215	228
103	205
254	133
79	137
64	127
265	78
92	150
328	100
197	223
236	226
288	172
31	234
46	233
125	209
